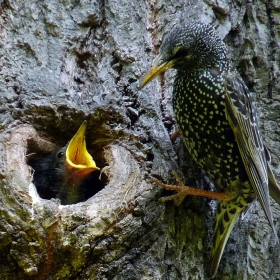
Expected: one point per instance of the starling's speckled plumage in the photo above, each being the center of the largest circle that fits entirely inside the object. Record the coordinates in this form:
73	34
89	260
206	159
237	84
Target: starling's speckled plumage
218	123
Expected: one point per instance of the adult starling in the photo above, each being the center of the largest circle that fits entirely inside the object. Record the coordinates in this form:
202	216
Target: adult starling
218	123
62	173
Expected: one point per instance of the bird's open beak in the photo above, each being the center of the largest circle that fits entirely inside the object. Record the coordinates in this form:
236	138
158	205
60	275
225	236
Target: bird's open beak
158	68
77	157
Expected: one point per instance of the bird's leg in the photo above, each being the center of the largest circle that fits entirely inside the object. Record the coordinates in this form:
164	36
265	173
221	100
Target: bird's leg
174	135
184	190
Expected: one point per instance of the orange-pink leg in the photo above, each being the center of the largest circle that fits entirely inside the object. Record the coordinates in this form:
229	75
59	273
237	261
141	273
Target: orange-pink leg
184	190
174	135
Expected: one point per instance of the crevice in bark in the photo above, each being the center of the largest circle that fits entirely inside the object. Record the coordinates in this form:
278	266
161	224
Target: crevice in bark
99	220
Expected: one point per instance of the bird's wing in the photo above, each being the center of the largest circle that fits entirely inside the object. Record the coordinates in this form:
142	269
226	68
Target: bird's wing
241	115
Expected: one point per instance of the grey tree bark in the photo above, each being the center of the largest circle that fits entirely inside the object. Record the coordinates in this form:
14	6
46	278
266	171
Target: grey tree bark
65	61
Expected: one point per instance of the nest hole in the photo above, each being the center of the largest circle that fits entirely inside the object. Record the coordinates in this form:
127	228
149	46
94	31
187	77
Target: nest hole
49	179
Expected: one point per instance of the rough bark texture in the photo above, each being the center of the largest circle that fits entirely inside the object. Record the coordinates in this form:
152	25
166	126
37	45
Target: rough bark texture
65	61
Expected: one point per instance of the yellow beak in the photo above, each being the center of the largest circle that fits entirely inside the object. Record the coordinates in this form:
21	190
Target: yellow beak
77	156
158	68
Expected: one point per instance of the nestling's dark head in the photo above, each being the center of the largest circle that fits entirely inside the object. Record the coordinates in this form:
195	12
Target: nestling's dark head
64	173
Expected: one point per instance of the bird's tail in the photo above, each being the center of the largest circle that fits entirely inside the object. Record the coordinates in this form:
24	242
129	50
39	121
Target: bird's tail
226	215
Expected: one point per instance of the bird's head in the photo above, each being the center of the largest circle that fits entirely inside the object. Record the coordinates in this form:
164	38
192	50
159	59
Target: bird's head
192	46
64	173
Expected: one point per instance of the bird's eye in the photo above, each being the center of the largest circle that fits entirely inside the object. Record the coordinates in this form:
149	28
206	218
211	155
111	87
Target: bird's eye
60	155
182	52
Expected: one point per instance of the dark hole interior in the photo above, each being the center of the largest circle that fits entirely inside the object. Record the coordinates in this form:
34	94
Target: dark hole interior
49	177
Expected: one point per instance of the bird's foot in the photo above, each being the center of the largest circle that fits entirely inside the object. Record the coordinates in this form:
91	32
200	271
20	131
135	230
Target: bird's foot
183	190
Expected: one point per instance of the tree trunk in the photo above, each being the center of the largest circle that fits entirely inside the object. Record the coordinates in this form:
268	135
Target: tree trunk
62	62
